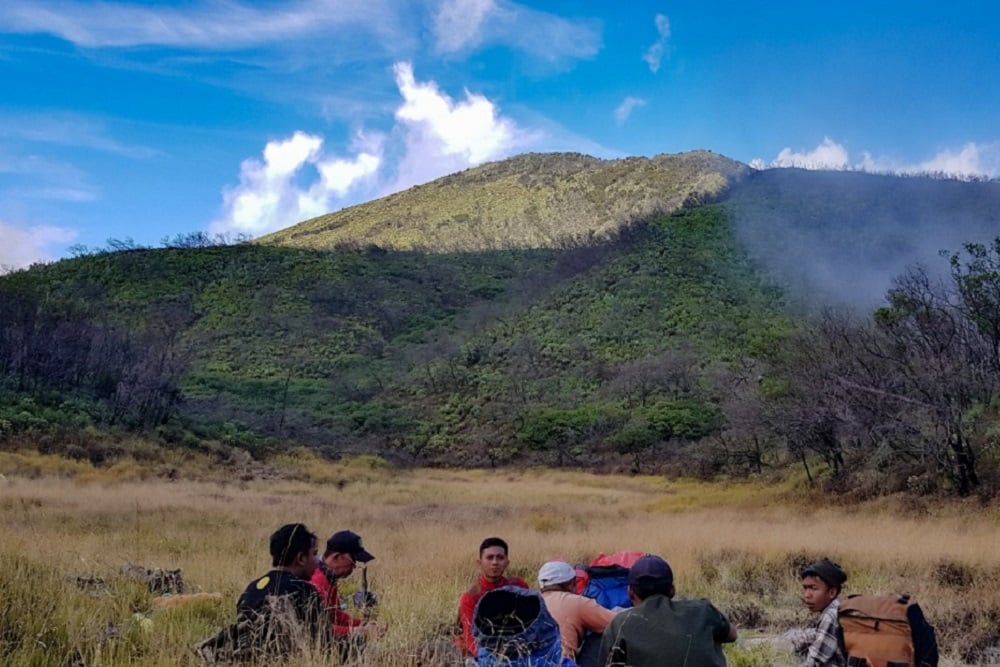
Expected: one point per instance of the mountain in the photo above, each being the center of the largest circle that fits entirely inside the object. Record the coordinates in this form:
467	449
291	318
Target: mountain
632	317
528	201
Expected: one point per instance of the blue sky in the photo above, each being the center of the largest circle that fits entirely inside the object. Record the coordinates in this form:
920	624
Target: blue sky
147	119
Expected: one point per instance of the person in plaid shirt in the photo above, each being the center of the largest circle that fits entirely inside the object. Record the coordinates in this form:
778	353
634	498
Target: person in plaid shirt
821	585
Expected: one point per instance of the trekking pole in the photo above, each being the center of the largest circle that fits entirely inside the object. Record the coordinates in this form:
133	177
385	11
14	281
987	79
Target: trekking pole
367	611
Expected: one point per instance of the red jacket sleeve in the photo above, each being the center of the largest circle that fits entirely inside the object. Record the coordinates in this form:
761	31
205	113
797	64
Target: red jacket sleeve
466	607
340	621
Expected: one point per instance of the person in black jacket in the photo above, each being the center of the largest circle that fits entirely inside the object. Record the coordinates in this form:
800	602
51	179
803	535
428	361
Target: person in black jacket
280	613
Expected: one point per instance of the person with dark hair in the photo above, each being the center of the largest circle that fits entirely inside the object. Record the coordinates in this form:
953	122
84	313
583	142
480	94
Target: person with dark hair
821	585
343	553
493	562
660	631
279	613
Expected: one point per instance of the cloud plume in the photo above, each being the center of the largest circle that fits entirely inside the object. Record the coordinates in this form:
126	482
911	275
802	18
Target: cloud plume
434	135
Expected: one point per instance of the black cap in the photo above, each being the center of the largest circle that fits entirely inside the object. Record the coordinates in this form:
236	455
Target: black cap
346	542
650	569
831	573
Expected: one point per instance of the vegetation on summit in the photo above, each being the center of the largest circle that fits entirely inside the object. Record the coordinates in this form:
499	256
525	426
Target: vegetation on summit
529	201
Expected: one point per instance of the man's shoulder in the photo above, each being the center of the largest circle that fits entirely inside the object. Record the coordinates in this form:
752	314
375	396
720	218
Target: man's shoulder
515	581
473	591
278	582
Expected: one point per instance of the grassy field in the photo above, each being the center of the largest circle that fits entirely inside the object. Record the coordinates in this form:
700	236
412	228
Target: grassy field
738	544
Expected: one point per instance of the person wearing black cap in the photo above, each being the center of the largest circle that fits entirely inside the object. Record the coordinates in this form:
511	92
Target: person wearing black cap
660	631
343	553
821	585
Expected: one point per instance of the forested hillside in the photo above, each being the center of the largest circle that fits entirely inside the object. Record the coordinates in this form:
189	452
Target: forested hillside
667	346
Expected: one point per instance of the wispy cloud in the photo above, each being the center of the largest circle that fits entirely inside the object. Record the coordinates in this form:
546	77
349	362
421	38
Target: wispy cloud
65	128
461	25
206	24
21	246
225	25
434	135
971	160
624	110
654	54
458	24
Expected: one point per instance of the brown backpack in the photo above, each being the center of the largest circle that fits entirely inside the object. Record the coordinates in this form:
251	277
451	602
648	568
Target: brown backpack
887	631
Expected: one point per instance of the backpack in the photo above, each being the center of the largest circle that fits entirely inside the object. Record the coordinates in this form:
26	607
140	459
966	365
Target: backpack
605	580
887	631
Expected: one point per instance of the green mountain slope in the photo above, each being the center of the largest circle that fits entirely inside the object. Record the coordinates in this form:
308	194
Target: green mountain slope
528	201
401	353
647	345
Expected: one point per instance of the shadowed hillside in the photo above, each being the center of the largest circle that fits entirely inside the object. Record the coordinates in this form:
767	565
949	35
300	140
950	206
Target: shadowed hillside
528	201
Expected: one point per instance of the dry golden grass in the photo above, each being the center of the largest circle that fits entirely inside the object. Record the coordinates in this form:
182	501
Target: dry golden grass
738	544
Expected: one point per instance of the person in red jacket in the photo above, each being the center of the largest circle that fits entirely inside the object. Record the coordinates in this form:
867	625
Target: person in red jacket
493	562
343	552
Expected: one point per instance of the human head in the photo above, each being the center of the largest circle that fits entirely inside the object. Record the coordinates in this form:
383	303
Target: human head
293	547
493	558
343	551
556	574
650	575
821	584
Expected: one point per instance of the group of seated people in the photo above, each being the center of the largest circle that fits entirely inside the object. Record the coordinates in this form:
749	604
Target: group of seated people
504	623
296	607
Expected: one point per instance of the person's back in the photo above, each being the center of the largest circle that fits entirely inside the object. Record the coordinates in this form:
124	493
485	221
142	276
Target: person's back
513	628
279	613
660	631
666	632
579	618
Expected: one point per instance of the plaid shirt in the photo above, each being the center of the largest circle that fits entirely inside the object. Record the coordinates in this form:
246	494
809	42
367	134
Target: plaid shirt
827	649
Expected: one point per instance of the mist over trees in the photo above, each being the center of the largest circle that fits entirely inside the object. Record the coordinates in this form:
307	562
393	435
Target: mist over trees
903	400
841	238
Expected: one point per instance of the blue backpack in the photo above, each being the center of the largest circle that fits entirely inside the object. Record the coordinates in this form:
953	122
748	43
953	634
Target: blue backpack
607	579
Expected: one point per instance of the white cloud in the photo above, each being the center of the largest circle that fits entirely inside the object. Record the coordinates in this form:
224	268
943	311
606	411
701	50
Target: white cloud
23	246
471	128
971	160
654	54
964	162
624	109
270	195
442	136
828	155
434	136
